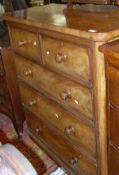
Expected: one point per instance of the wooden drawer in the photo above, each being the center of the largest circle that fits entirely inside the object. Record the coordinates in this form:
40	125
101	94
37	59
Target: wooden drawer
78	162
67	58
76	130
26	43
114	125
114	85
67	92
113	161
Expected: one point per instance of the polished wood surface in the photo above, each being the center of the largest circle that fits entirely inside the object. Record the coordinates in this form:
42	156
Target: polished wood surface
69	77
11	104
5	101
86	1
78	162
113	161
114	88
102	21
111	52
61	55
66	92
70	126
23	41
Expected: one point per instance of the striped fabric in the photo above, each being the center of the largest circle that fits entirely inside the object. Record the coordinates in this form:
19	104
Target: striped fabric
7	127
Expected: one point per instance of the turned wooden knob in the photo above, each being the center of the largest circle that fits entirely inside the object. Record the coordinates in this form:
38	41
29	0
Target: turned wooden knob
69	130
27	72
60	57
22	43
38	130
65	95
33	102
73	161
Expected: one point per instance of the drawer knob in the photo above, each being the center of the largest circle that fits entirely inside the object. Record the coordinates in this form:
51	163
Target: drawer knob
38	130
34	102
60	57
22	43
73	161
47	52
65	95
69	130
27	72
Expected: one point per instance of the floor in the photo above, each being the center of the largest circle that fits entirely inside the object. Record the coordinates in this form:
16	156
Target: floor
7	127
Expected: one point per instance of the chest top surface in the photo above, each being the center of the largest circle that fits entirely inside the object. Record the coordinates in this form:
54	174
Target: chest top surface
95	22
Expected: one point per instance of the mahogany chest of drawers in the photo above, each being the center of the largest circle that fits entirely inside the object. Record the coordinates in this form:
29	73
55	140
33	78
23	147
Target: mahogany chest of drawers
111	52
61	78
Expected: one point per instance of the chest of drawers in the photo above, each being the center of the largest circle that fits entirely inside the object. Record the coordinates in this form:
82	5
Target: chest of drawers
111	52
61	78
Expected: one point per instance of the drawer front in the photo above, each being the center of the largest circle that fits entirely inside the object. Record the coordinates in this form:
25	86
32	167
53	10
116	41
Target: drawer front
78	162
25	42
114	85
67	92
114	125
113	161
67	58
74	129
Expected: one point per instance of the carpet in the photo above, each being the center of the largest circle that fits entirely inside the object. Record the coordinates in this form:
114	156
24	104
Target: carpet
44	163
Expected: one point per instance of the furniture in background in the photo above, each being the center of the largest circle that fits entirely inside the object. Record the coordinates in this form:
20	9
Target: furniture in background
61	78
10	104
5	102
36	2
11	5
111	52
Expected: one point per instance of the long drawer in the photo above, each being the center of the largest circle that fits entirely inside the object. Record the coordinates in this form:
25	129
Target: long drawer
113	160
114	85
67	92
76	130
78	162
69	58
114	125
26	43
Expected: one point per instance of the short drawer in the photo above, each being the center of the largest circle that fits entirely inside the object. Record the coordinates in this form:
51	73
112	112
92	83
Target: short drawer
67	58
67	92
113	161
76	130
26	43
114	85
114	125
78	162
